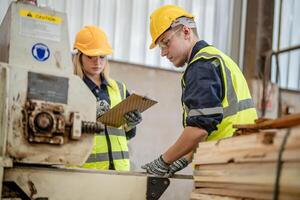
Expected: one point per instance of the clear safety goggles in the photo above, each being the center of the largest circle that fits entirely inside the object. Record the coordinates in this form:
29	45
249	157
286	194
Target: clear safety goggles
165	43
95	58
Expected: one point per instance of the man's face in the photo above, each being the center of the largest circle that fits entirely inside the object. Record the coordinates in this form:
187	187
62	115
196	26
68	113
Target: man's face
173	45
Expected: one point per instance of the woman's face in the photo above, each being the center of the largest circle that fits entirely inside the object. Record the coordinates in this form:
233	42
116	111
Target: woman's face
93	65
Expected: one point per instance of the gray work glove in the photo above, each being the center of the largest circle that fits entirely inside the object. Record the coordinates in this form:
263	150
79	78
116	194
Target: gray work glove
178	165
133	118
157	167
102	107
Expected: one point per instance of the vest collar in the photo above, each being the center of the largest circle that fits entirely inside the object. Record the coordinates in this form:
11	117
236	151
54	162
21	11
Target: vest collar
198	46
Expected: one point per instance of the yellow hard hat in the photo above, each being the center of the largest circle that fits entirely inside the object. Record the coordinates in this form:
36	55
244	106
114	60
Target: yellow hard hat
162	18
92	41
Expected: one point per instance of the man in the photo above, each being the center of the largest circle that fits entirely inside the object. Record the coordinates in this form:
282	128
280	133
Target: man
215	94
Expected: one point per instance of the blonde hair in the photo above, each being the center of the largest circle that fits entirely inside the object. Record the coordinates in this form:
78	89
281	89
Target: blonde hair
77	61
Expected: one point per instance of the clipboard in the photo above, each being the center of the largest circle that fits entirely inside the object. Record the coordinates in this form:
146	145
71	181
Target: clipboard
114	117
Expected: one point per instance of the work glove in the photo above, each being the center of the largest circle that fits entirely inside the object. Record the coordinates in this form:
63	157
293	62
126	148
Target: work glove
178	165
102	107
132	118
157	167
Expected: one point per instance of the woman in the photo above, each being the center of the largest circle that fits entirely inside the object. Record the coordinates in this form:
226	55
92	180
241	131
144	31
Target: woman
110	150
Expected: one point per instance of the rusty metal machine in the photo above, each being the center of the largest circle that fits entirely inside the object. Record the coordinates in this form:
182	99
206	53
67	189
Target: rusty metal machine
48	118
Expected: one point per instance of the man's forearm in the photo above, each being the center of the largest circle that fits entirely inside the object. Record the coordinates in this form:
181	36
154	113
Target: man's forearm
187	142
190	155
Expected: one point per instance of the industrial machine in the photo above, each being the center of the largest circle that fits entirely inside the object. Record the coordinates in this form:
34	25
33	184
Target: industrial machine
48	118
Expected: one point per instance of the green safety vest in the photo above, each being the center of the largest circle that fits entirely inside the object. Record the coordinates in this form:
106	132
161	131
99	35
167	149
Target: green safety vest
99	158
237	105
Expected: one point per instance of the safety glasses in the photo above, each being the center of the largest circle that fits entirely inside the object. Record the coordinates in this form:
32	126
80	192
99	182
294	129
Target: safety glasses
165	43
95	58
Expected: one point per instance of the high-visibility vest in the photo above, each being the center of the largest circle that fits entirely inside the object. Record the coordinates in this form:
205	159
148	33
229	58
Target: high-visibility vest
237	105
114	140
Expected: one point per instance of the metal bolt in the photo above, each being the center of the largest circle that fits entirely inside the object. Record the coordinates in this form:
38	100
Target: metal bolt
44	122
153	181
153	194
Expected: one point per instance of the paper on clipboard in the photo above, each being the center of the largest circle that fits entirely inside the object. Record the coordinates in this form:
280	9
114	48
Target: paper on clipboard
114	117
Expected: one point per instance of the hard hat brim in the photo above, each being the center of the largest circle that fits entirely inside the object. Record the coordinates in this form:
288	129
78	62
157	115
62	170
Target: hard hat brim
152	45
97	52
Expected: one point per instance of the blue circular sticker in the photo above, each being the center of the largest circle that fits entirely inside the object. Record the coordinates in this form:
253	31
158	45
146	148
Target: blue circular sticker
40	52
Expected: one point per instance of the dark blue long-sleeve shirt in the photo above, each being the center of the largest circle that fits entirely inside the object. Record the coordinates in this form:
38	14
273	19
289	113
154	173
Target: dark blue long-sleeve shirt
203	89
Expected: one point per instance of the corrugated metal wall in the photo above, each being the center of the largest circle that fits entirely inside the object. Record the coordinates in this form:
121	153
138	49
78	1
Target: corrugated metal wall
126	23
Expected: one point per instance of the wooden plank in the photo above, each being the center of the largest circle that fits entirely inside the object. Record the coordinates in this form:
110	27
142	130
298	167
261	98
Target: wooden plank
232	186
249	148
226	142
197	196
252	187
235	193
282	122
244	194
251	155
265	137
262	174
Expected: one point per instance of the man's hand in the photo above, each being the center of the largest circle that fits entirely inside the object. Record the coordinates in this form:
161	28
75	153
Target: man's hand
157	167
178	165
133	118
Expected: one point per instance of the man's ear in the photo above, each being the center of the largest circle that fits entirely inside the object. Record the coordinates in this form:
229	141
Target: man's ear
186	31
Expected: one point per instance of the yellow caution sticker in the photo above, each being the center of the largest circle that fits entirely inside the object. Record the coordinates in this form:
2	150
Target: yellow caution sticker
40	16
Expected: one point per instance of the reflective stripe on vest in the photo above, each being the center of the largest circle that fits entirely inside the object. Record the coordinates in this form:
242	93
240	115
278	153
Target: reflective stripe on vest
205	111
105	164
99	158
115	131
122	90
233	105
234	111
117	155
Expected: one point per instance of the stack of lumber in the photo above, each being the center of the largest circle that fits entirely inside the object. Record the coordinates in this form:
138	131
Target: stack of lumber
262	165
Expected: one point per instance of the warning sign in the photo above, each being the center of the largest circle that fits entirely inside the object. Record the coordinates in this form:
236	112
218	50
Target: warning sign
41	16
40	25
